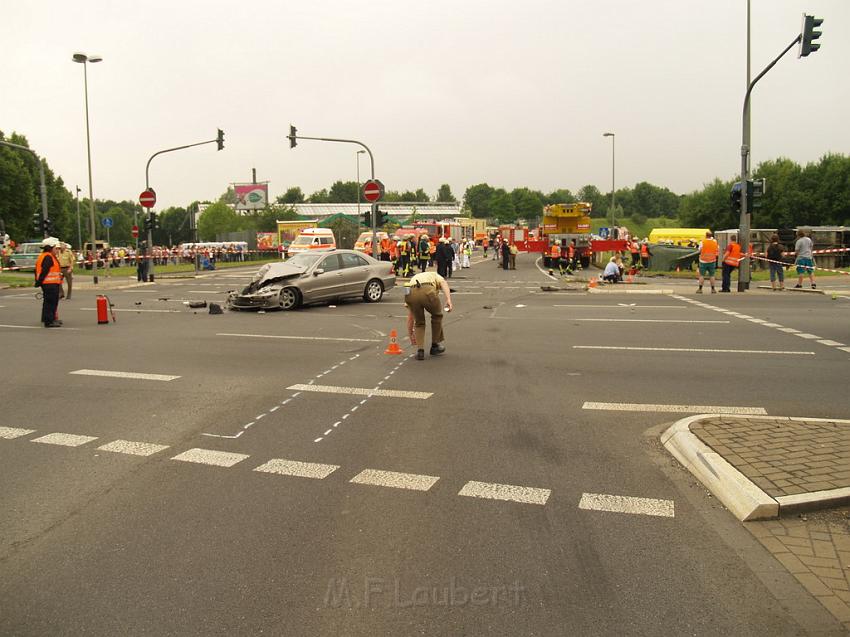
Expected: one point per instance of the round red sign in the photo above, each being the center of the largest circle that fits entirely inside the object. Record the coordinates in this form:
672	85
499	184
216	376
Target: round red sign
373	190
135	231
147	198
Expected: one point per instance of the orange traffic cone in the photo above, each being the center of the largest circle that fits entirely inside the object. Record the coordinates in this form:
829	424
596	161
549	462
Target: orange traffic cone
592	283
393	346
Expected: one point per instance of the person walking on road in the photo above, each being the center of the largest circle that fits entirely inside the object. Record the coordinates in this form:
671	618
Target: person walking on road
443	256
506	255
424	252
512	256
48	277
731	260
66	263
777	269
708	253
805	259
422	293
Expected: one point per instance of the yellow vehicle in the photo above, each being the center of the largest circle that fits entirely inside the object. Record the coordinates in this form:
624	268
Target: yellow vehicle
567	218
677	236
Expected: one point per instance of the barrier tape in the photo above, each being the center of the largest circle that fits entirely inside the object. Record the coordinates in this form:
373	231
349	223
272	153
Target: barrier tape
825	251
792	265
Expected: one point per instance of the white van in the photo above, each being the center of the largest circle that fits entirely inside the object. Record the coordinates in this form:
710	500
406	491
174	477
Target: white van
312	239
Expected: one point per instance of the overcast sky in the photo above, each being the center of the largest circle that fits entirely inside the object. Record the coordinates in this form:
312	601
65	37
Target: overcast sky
458	92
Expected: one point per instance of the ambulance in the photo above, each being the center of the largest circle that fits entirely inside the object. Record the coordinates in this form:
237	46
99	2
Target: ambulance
312	239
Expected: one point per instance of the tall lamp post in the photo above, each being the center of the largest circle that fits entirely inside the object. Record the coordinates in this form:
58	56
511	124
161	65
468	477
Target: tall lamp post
79	227
613	165
82	58
357	156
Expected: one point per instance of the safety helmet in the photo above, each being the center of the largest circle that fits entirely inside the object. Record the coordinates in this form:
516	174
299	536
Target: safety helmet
51	242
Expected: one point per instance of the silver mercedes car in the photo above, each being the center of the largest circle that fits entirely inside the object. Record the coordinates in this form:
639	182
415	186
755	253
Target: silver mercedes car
315	276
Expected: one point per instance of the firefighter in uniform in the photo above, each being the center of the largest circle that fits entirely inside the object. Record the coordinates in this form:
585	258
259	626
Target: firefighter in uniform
48	276
421	294
731	259
555	257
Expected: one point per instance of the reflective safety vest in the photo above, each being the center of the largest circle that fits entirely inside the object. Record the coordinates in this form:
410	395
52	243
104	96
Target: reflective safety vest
732	255
634	247
571	251
402	248
644	249
709	251
385	245
54	274
556	251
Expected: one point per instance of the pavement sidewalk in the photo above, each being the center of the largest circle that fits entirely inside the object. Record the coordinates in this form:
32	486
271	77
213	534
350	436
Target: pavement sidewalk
771	473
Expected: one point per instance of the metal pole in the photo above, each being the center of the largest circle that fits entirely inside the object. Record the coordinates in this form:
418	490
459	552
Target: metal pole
357	159
91	188
747	117
79	227
613	180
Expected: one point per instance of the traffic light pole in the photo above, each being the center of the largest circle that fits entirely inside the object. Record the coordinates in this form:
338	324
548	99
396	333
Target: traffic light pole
42	186
292	137
745	269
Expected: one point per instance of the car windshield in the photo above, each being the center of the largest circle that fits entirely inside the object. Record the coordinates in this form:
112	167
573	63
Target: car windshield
303	240
305	259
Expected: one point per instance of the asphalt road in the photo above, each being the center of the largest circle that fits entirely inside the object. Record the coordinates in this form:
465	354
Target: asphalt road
458	495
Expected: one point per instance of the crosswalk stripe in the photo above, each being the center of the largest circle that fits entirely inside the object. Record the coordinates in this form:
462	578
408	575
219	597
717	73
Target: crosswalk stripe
627	504
10	433
133	448
362	391
625	320
679	409
298	469
112	374
208	456
695	349
64	440
303	338
395	480
508	492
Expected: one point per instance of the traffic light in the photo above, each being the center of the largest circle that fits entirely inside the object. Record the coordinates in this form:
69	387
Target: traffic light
220	139
380	218
38	223
147	224
48	227
367	219
735	197
154	221
755	191
809	35
292	136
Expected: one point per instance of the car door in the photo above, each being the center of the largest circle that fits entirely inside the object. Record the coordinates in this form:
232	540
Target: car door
329	283
355	273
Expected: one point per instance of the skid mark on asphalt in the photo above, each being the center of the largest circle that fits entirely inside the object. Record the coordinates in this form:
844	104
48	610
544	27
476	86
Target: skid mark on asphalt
282	403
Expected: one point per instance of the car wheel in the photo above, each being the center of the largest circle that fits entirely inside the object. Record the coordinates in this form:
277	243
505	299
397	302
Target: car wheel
289	299
374	291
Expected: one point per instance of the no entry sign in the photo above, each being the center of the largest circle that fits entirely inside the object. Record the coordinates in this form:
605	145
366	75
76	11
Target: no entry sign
373	190
135	231
147	198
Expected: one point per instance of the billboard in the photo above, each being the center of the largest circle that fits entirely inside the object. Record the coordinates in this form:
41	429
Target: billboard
266	241
251	196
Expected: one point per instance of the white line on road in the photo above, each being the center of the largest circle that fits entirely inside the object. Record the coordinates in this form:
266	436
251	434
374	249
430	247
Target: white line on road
127	309
683	409
362	391
789	330
10	433
208	456
509	492
844	349
305	338
694	349
622	306
807	336
298	469
134	375
626	504
826	341
394	479
624	320
133	448
22	327
65	440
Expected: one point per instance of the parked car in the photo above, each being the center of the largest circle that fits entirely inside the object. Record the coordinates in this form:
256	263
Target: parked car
25	255
315	276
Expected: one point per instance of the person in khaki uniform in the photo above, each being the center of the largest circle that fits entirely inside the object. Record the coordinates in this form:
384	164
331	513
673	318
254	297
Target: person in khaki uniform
66	263
422	293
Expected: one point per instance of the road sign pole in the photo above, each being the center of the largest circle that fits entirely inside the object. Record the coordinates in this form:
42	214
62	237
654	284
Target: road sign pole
149	267
107	263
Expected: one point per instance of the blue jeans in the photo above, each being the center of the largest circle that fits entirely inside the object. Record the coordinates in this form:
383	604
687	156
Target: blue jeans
777	270
727	277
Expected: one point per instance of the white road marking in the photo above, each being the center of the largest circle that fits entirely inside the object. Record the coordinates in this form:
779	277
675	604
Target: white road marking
771	324
807	336
362	391
844	349
627	504
22	327
208	456
304	338
693	349
10	433
135	375
683	409
395	480
826	341
789	330
128	309
509	492
204	291
65	440
133	448
622	306
757	320
624	320
298	469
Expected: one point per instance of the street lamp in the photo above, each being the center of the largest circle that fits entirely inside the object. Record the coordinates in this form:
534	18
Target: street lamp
357	156
611	135
82	58
79	227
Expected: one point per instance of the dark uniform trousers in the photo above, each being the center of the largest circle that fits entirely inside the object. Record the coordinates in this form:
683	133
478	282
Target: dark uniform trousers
419	300
50	302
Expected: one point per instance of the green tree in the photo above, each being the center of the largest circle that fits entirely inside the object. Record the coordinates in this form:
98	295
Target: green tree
292	195
217	219
596	199
174	227
562	195
709	207
477	200
444	194
343	192
320	196
528	204
501	206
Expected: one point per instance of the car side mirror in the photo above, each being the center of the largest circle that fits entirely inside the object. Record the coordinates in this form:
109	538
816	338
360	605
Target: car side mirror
318	271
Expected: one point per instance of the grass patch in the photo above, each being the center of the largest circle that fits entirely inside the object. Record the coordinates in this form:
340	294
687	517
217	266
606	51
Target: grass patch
16	280
638	229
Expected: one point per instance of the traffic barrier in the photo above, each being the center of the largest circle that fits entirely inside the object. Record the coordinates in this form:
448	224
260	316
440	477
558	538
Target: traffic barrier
792	265
393	347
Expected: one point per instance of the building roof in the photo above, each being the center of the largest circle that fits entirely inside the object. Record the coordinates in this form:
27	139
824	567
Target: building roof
395	210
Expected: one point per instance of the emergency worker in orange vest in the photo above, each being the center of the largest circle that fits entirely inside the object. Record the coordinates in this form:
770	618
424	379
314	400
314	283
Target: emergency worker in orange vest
731	259
555	256
48	276
634	249
572	257
385	249
708	253
645	254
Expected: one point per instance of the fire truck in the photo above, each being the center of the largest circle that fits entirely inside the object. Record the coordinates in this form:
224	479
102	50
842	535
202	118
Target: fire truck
564	222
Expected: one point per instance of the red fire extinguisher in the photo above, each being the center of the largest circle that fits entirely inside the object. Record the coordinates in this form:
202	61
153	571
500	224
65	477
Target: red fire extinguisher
102	307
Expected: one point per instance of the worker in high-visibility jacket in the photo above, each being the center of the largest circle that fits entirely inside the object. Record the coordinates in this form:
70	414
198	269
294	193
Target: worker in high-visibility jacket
403	263
645	254
385	249
555	257
708	253
731	259
634	249
48	276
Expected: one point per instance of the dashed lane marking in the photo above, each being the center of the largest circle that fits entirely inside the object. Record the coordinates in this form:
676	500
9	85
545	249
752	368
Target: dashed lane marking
695	350
810	337
508	492
789	330
133	448
625	320
298	469
10	433
395	480
128	309
133	375
362	391
679	409
64	440
22	327
304	338
627	504
208	456
624	306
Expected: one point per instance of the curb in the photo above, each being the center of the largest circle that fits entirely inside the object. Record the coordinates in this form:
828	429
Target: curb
742	497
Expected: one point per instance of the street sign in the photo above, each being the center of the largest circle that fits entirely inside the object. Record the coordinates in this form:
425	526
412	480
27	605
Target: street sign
136	231
106	222
148	198
373	190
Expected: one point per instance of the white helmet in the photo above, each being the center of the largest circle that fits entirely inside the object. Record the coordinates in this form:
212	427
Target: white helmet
51	242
